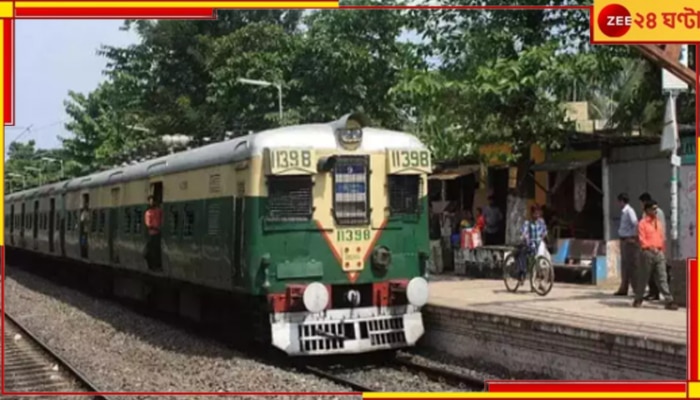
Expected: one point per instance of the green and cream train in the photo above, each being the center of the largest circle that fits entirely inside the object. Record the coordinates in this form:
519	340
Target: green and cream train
324	226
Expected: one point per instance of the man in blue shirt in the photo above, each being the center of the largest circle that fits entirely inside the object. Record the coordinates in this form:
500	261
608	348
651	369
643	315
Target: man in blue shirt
627	232
533	232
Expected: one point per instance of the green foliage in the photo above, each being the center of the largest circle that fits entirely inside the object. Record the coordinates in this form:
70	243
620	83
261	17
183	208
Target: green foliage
27	166
477	77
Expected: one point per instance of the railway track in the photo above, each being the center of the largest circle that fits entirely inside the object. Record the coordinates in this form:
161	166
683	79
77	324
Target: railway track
442	375
343	375
32	367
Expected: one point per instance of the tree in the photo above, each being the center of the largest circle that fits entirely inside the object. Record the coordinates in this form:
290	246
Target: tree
501	78
350	61
27	165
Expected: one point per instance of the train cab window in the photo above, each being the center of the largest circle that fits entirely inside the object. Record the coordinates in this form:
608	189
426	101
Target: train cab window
188	229
404	194
351	190
290	198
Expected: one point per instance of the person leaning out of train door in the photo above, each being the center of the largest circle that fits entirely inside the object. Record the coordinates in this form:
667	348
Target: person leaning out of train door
153	218
83	227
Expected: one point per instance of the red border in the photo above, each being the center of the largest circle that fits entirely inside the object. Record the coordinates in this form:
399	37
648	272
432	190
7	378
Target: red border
495	386
8	26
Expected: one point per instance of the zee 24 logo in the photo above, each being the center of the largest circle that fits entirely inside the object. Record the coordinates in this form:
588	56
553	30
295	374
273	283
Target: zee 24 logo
615	20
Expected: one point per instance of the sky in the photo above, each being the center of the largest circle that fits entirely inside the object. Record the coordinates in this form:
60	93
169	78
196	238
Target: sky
51	58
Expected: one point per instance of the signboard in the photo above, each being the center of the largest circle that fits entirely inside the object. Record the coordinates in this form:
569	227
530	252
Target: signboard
408	161
286	161
671	82
644	21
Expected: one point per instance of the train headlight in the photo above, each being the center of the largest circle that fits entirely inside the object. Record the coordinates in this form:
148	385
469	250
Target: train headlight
316	297
381	258
417	291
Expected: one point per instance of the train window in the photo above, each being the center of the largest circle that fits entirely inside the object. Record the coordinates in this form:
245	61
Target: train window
351	190
127	221
174	221
189	222
101	227
93	221
137	220
404	192
289	198
214	215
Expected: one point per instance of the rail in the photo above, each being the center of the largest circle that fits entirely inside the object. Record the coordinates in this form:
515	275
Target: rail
33	365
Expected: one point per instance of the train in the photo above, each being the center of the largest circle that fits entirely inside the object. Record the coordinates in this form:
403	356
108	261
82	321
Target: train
321	228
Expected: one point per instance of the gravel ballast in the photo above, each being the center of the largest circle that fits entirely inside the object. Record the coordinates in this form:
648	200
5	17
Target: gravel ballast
121	351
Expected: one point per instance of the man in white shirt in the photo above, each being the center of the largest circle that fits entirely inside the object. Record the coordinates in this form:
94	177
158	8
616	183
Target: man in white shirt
627	231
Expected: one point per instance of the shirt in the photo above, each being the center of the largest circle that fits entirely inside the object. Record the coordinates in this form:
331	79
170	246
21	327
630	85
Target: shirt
480	222
153	219
493	219
628	222
533	232
662	218
651	234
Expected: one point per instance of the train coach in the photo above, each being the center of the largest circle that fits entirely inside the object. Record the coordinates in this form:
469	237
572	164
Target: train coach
320	229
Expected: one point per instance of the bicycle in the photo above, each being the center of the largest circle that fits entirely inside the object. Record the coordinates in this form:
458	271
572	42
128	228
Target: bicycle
539	269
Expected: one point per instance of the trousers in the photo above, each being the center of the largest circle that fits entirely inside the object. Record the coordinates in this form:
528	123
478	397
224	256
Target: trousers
629	258
654	264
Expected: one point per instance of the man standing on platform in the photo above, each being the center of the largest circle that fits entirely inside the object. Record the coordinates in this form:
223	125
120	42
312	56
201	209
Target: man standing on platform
652	241
628	244
653	289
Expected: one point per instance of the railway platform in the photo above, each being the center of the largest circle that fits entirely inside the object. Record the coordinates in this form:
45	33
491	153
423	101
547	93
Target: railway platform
576	332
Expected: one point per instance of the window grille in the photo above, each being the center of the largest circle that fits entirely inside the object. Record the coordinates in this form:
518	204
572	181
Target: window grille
351	190
289	198
127	221
213	220
175	221
404	194
189	222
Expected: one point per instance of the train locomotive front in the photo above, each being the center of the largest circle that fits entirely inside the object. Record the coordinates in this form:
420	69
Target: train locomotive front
343	245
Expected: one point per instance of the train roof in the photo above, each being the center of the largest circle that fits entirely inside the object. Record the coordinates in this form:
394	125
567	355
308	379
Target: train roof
315	136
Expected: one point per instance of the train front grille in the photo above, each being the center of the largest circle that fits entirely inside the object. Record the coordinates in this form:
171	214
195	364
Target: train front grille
318	336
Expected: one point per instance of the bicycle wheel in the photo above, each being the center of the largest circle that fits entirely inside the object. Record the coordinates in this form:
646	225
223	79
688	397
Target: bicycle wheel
510	274
542	276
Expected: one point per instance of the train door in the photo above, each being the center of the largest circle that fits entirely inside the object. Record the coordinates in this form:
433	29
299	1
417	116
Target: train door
12	224
52	230
23	224
35	222
62	226
154	250
238	232
113	221
84	225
